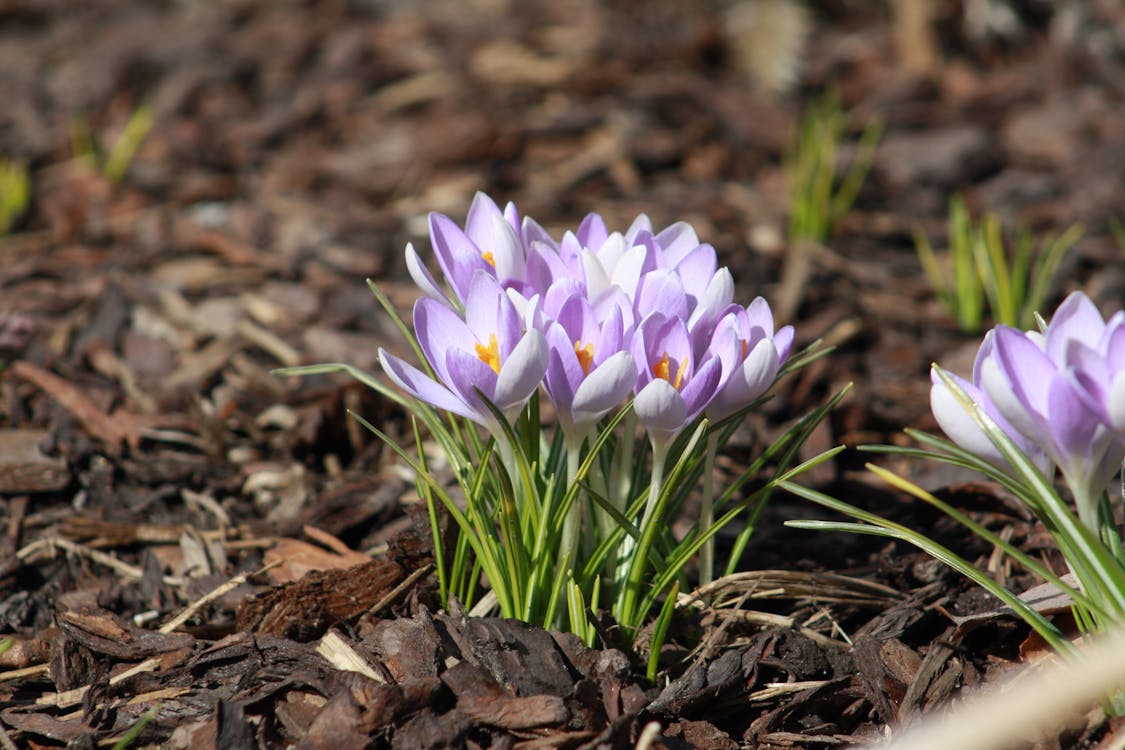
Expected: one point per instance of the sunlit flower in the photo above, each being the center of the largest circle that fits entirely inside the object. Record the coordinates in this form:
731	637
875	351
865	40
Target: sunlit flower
1064	390
672	387
588	373
758	353
1060	394
486	351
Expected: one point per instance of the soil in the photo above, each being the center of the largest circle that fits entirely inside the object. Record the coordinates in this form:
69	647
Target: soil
190	541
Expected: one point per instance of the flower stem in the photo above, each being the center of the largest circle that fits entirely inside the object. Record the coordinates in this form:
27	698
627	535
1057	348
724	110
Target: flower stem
635	562
572	524
707	512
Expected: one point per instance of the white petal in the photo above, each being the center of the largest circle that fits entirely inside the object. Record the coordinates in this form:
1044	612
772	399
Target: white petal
604	388
958	424
522	373
422	277
1115	404
660	407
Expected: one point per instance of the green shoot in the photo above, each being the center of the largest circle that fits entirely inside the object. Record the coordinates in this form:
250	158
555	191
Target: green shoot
1013	281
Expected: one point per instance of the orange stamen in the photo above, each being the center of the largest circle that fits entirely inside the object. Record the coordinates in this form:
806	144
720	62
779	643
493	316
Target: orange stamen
662	369
489	258
585	356
490	354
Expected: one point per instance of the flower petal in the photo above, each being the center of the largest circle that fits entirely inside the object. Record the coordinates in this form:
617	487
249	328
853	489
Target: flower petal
422	276
604	388
439	329
956	422
1076	319
522	372
422	387
458	257
660	407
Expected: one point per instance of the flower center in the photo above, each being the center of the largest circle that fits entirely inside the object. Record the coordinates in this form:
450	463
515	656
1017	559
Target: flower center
490	354
585	356
662	369
489	258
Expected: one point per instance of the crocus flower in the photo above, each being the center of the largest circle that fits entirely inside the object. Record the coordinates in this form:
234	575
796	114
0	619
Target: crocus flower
487	351
1064	390
588	372
962	429
672	386
758	353
1059	394
492	241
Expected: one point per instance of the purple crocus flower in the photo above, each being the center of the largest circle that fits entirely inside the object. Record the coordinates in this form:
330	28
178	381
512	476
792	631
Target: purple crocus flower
1064	390
672	386
588	372
958	423
758	354
1059	394
487	350
492	241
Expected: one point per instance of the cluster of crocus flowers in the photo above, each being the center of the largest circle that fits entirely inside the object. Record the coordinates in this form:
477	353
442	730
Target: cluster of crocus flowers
1059	394
594	318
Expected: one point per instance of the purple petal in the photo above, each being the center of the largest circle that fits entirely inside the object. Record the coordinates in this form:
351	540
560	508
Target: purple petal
482	306
422	387
611	337
592	232
677	240
569	368
1029	371
558	385
479	222
699	391
697	269
458	257
629	269
662	291
439	329
468	374
783	340
640	224
507	250
1076	319
1114	347
715	299
1115	404
1071	422
533	233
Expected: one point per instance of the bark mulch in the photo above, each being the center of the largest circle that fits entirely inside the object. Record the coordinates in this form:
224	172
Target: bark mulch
190	542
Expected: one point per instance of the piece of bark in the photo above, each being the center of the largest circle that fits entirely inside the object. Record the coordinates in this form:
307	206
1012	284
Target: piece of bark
305	609
104	633
24	468
481	698
81	407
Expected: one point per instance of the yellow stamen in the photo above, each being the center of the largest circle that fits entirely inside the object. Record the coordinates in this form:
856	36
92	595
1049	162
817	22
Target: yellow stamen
585	356
662	370
490	354
489	258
